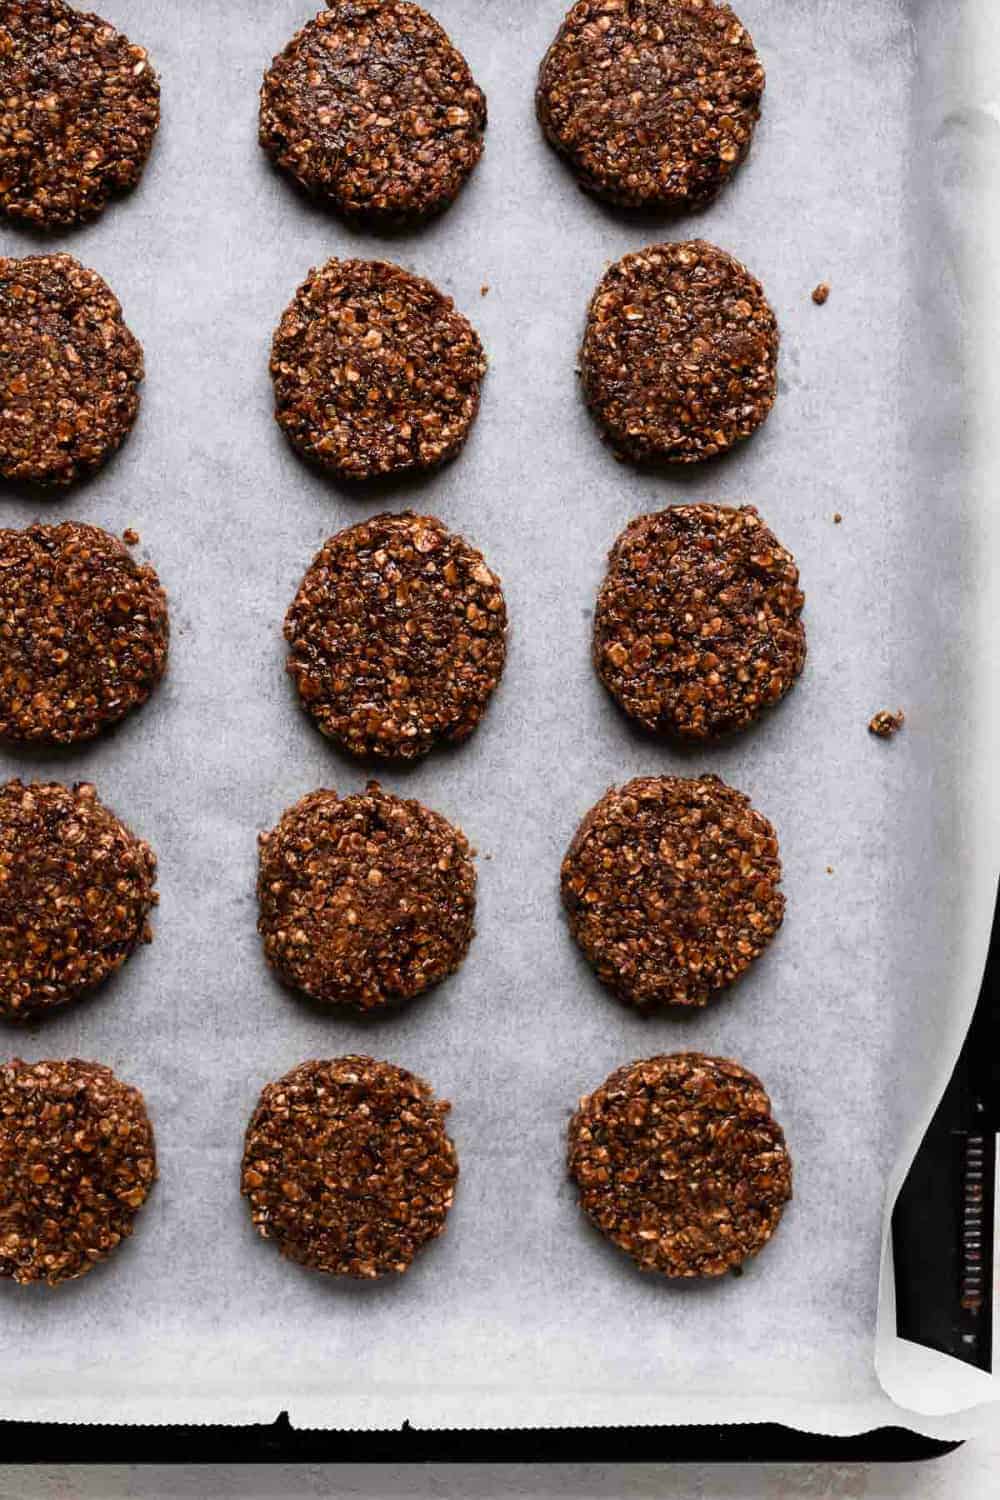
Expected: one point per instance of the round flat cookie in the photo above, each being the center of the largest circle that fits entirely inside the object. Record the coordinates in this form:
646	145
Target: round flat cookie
77	1161
680	354
653	102
371	108
83	632
348	1168
697	627
398	636
680	1163
671	887
69	370
76	889
365	900
374	371
79	107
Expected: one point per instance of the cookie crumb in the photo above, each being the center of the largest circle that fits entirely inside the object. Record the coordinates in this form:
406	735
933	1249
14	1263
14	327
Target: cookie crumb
484	289
820	293
837	518
886	724
131	536
829	869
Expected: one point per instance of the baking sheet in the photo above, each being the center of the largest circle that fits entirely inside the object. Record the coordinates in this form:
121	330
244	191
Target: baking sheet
521	1315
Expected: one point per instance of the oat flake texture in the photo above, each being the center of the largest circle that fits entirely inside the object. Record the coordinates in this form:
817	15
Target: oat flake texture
653	102
69	370
397	637
680	1163
698	622
365	900
671	888
77	1161
372	108
680	353
374	371
83	632
79	107
347	1166
76	889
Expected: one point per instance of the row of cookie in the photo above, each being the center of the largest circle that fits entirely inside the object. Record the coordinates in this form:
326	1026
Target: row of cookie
671	886
371	108
348	1169
375	372
398	631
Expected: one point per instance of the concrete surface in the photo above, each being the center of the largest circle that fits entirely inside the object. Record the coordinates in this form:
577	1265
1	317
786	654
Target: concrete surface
971	1473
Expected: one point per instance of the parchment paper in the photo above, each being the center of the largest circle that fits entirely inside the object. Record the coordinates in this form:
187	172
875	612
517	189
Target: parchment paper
521	1315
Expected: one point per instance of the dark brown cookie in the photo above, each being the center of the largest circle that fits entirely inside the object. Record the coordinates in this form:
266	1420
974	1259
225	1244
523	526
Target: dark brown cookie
374	371
76	889
680	353
79	107
671	885
366	899
77	1161
69	370
697	627
347	1166
83	632
398	636
372	108
653	102
681	1164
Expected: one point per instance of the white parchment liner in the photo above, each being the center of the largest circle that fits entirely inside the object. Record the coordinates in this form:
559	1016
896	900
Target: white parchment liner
863	174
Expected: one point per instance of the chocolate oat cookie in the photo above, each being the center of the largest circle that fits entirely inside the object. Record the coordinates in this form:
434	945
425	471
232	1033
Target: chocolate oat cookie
372	108
69	370
398	636
680	353
365	900
697	627
76	889
83	632
77	1161
374	371
653	102
671	886
79	107
347	1166
681	1164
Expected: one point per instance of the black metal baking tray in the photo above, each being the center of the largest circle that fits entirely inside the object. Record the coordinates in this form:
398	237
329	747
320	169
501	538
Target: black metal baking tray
279	1442
942	1226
